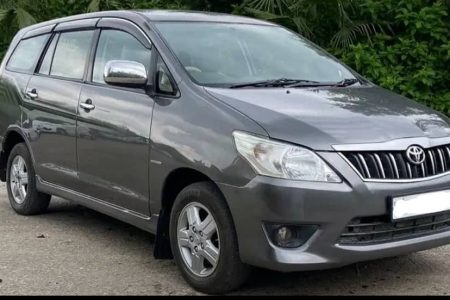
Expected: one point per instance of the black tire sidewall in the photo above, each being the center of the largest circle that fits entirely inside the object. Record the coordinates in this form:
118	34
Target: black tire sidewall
27	207
230	272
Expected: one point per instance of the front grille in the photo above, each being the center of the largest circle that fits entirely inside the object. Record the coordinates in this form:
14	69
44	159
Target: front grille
395	165
378	230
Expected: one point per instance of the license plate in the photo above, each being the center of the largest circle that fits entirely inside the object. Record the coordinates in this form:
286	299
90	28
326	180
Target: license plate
420	205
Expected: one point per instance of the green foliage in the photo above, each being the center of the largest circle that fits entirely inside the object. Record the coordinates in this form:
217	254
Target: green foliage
211	5
403	45
14	15
415	59
335	22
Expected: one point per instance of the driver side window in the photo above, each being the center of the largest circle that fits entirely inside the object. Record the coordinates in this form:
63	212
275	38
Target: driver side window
118	45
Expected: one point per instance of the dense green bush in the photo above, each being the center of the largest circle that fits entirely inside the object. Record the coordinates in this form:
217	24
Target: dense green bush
402	45
413	59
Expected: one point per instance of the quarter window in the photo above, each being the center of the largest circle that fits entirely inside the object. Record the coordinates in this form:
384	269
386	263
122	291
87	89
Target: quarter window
164	82
71	54
27	53
118	45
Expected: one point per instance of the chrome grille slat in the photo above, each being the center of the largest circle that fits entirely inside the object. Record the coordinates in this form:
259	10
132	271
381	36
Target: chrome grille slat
364	163
433	166
389	165
397	174
448	152
410	173
396	165
380	165
441	157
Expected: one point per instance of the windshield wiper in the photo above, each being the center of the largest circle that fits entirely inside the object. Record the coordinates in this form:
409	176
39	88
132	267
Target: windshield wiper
343	83
282	82
293	83
348	82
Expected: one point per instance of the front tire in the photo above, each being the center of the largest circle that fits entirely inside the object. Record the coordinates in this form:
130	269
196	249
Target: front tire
21	184
204	241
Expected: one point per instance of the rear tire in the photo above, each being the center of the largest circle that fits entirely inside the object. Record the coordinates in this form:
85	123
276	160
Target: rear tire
211	236
21	184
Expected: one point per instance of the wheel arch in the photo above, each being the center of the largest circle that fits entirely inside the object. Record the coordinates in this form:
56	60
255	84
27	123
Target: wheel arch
174	183
14	135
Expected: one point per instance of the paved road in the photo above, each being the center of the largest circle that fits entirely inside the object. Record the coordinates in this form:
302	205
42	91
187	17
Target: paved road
75	251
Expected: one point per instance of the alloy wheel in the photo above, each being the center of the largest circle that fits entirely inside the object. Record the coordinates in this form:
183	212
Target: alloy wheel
19	179
198	239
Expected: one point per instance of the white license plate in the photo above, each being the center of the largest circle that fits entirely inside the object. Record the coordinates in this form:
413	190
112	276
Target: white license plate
420	205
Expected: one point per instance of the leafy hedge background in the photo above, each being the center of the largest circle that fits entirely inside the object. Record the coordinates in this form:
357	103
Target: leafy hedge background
402	45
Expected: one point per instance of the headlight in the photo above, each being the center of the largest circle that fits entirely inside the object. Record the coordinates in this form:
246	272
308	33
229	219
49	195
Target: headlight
280	160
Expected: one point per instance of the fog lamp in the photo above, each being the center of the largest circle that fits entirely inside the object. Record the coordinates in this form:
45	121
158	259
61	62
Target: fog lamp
290	236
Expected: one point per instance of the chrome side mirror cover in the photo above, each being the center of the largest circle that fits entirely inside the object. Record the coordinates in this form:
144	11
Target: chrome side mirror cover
125	73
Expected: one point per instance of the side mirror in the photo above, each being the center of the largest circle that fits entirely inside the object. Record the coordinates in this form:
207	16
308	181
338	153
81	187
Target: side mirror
164	84
125	73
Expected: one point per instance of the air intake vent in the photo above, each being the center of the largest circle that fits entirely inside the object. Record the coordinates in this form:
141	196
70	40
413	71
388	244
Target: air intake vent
379	230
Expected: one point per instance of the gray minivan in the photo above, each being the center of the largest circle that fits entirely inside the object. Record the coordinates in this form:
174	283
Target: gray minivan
236	142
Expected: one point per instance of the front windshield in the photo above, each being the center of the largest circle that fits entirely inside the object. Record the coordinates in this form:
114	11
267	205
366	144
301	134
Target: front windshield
221	54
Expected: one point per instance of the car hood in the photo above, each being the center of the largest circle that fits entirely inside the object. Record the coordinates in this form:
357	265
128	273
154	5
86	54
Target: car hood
323	118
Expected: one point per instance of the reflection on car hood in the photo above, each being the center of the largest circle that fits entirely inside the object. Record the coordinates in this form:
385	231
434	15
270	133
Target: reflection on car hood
320	118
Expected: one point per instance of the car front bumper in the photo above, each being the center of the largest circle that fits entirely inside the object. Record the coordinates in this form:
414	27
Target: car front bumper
330	206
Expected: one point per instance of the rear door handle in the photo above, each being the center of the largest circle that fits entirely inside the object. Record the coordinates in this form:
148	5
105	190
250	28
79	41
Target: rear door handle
32	94
88	105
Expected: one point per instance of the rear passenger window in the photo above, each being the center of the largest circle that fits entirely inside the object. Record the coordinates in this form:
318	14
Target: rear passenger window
118	45
27	54
71	54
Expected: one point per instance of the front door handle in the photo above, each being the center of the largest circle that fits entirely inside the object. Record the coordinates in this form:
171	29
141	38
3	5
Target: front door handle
32	94
88	105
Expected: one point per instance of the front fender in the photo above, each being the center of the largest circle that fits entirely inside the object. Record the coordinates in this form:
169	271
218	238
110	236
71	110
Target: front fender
196	132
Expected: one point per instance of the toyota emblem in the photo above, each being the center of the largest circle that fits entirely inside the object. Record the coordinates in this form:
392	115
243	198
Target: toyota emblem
416	155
